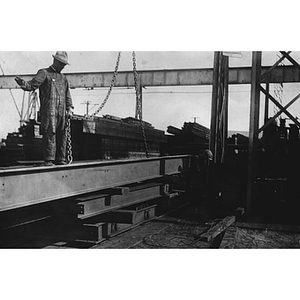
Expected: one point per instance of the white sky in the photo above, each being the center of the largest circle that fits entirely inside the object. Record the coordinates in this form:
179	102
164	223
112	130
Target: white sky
162	106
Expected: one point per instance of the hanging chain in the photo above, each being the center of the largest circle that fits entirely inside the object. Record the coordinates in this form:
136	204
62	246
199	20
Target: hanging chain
69	140
138	103
111	86
113	80
68	121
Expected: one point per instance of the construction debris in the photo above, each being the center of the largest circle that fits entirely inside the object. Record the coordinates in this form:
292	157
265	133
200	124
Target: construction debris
243	238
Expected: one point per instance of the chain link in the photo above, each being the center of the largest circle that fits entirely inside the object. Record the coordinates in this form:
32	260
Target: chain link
139	109
113	80
111	86
69	141
138	102
68	121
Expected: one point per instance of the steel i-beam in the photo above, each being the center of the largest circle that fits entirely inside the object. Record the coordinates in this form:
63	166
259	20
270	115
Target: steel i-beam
33	185
171	77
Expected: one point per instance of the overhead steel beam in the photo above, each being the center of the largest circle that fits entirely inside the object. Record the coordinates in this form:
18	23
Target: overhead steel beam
176	77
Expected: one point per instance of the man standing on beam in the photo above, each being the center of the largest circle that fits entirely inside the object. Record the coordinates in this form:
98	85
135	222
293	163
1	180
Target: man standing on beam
56	105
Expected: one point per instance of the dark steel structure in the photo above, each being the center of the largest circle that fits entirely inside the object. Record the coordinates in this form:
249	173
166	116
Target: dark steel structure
283	147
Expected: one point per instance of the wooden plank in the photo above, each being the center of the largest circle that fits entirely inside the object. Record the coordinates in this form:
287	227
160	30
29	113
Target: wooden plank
216	242
217	229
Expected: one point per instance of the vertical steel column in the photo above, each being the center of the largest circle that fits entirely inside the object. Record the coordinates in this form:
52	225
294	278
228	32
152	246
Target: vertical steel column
214	105
254	126
219	124
213	139
225	109
219	108
267	100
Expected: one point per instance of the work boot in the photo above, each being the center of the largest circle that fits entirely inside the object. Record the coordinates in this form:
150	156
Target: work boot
61	163
48	163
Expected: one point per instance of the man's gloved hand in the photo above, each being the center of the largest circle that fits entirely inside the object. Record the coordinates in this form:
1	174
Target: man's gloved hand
69	112
19	81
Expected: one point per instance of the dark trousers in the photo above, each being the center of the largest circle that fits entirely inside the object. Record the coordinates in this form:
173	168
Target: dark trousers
54	137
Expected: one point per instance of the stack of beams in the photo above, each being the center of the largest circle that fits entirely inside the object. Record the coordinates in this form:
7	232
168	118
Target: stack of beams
100	138
190	139
26	144
111	138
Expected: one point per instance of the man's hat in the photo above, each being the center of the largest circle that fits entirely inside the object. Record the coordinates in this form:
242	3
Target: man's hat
209	154
62	56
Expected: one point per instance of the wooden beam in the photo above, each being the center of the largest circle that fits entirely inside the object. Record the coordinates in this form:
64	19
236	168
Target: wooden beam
213	232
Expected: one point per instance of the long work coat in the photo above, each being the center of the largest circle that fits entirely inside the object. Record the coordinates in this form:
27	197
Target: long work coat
55	100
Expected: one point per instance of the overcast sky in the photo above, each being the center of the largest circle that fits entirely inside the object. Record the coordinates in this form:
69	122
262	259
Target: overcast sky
162	106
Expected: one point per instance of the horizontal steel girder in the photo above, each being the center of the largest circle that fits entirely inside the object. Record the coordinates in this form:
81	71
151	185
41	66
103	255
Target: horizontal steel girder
183	77
28	186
